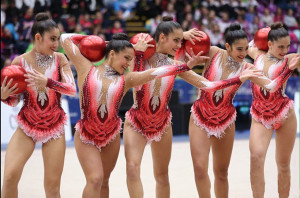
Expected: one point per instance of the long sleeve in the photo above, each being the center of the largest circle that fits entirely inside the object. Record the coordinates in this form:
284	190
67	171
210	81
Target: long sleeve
280	80
139	61
202	83
134	79
67	84
273	85
168	70
64	88
221	84
12	100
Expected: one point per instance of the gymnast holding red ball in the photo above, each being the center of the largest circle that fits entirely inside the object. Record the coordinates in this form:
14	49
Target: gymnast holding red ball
272	110
42	75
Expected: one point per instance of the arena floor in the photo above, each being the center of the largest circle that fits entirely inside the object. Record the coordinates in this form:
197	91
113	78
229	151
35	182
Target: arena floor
181	173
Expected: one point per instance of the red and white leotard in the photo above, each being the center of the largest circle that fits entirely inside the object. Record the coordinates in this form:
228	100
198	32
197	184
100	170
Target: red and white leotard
100	102
42	116
150	114
213	111
270	108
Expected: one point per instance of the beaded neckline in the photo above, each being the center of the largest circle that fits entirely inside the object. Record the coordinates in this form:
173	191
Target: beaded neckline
43	61
109	71
270	57
232	64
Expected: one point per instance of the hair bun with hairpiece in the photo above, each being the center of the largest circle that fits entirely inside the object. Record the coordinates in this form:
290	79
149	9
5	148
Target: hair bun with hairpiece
42	16
120	36
167	18
276	26
234	26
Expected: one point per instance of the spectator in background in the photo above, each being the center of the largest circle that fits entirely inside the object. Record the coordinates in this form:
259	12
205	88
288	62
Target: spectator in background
185	25
26	24
170	11
225	21
289	19
71	24
256	25
250	14
117	28
119	17
98	20
278	17
241	20
86	23
267	18
211	19
190	20
216	36
9	40
78	29
152	23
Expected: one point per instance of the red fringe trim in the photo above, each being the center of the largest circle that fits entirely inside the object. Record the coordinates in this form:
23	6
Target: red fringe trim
43	135
154	136
218	130
99	144
275	122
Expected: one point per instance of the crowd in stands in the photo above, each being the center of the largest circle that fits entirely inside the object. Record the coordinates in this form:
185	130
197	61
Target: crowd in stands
107	17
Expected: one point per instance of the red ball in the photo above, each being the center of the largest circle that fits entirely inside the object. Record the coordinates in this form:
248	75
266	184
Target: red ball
150	50
15	72
261	38
204	45
93	48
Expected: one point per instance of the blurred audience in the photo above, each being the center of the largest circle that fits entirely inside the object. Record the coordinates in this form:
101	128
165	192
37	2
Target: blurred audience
107	17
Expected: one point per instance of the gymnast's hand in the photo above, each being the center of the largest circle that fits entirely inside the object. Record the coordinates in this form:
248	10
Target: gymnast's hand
193	34
195	60
6	90
36	79
294	64
142	43
250	72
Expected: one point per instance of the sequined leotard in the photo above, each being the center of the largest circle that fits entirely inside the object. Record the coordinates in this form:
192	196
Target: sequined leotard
42	116
100	123
270	108
213	111
150	114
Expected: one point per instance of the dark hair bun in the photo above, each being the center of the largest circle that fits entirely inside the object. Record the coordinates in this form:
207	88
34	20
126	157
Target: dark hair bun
234	26
167	18
276	26
42	16
120	36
